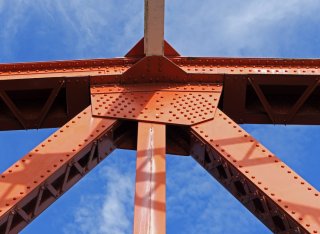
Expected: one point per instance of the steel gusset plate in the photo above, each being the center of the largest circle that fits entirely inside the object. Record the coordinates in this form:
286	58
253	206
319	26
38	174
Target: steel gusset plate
163	103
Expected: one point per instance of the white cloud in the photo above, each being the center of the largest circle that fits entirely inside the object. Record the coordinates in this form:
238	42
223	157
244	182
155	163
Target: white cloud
108	28
108	212
196	203
85	27
236	27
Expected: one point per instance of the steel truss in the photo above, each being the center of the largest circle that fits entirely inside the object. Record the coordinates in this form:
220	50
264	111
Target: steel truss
157	102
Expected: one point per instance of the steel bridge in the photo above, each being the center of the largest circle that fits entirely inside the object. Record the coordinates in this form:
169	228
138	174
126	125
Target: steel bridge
156	101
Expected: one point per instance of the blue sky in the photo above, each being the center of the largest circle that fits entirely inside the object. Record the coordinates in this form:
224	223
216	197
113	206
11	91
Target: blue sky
41	30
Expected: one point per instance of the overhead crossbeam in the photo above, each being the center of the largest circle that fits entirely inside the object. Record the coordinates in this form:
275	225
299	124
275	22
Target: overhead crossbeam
290	87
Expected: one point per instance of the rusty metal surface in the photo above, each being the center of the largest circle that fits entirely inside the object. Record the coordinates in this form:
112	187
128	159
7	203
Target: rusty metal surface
269	188
150	194
183	105
35	181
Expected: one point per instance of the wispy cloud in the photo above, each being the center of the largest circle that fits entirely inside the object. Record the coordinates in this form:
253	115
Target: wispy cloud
250	28
82	29
196	203
107	28
107	212
78	28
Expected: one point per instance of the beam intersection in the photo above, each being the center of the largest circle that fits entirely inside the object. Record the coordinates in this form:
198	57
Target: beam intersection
156	101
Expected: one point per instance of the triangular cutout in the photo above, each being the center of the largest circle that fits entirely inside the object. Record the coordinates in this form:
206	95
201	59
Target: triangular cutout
279	103
311	105
29	102
58	108
7	118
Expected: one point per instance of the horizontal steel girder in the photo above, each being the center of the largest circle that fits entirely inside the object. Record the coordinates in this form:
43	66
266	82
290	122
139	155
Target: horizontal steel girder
279	91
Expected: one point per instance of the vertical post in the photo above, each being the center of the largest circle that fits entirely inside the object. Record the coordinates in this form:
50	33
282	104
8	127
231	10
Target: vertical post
154	27
150	196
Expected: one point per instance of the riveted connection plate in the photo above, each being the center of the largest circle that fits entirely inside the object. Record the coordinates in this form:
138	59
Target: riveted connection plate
163	103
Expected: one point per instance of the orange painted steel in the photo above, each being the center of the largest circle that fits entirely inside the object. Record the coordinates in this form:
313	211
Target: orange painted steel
192	65
157	101
150	195
164	103
151	87
35	181
72	68
269	188
245	66
167	90
280	81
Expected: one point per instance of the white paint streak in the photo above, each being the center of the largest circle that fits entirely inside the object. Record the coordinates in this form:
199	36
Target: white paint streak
147	222
152	229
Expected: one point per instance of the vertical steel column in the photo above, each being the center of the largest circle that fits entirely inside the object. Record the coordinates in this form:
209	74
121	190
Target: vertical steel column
154	27
150	197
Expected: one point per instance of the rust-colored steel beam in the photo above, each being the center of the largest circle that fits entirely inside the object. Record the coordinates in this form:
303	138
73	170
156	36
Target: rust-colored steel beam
33	183
72	68
116	66
150	196
279	91
269	188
